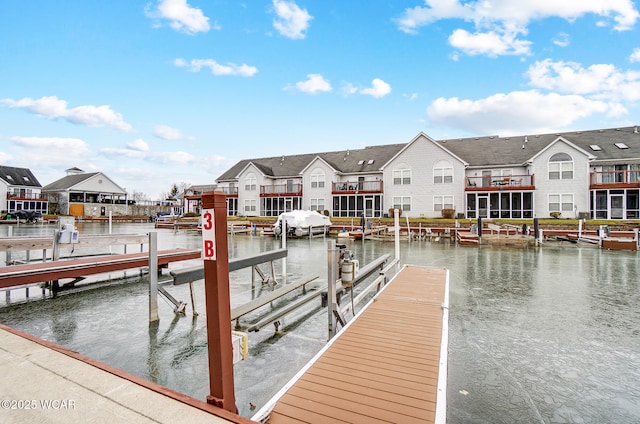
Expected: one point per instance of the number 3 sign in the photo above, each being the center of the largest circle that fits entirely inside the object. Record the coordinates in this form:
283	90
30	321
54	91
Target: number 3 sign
208	235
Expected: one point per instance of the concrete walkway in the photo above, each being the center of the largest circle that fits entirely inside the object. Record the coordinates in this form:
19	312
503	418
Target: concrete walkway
41	382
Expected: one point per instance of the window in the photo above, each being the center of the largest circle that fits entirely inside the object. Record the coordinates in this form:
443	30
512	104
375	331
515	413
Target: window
317	180
402	174
560	202
561	167
250	183
443	172
442	202
403	203
317	204
621	146
250	205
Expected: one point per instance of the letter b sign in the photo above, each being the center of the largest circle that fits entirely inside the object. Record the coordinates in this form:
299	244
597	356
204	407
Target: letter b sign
208	235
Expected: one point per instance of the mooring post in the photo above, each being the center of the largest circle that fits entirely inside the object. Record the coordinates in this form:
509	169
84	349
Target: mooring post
153	276
283	235
332	277
218	308
396	223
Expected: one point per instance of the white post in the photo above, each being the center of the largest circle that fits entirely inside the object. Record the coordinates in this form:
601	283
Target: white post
283	235
396	222
579	228
7	259
332	276
153	277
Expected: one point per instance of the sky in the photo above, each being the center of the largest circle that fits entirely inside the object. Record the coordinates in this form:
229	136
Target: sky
160	92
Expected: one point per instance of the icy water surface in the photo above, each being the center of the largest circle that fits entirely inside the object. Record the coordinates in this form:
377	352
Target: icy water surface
548	335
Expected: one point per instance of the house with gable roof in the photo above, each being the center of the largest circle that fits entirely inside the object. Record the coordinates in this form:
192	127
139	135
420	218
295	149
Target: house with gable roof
20	190
592	174
92	194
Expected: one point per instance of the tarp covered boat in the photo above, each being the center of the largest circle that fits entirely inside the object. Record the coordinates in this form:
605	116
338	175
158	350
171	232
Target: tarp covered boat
302	223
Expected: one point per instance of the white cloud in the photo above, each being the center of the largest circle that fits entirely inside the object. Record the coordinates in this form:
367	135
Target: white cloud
138	144
195	65
498	23
181	16
517	112
600	81
635	56
291	21
489	43
314	84
378	89
52	151
53	108
561	40
167	133
5	157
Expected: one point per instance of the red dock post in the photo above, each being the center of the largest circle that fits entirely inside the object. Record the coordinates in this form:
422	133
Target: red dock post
216	283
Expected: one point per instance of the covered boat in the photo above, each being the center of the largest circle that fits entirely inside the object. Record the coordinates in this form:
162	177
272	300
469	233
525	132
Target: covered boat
302	223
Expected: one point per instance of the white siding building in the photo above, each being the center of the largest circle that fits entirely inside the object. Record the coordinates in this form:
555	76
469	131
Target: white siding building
594	174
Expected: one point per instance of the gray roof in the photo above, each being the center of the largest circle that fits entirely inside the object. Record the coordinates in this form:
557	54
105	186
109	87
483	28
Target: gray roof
495	150
69	181
344	161
18	177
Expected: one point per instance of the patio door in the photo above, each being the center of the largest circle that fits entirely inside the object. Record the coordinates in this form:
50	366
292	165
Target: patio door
368	207
617	206
288	204
483	207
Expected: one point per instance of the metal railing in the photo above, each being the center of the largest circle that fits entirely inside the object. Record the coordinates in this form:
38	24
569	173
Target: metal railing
281	190
357	186
498	182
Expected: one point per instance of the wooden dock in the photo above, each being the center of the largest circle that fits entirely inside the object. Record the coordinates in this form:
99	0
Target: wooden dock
388	365
16	275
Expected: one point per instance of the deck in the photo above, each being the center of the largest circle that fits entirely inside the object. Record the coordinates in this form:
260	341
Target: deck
16	275
387	365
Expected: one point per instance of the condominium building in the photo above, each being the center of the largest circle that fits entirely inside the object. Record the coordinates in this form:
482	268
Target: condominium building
593	174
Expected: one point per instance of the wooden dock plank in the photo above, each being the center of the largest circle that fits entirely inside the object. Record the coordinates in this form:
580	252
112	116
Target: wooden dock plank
385	366
16	275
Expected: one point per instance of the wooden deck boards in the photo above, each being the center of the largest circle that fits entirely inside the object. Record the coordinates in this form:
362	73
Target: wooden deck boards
385	366
35	272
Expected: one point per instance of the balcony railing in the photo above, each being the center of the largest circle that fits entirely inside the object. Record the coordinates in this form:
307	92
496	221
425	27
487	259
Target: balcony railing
494	183
26	196
615	179
353	187
229	191
281	190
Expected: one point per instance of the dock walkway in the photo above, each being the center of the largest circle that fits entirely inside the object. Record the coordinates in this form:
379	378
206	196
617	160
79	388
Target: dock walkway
16	275
388	365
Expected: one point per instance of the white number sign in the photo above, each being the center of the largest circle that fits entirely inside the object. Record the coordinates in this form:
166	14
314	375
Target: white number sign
208	235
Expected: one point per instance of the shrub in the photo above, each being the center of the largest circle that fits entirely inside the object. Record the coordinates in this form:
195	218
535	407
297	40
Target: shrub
448	213
391	215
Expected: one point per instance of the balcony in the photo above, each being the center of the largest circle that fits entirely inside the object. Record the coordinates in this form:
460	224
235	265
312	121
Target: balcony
27	196
615	179
496	183
281	190
229	191
357	187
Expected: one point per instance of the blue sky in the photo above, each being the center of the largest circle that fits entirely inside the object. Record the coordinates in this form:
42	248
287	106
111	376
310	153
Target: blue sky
159	92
